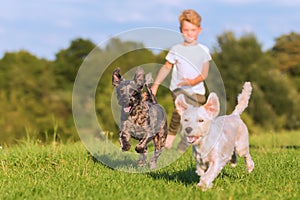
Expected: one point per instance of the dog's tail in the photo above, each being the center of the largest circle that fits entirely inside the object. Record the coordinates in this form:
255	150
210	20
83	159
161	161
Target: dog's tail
148	84
243	99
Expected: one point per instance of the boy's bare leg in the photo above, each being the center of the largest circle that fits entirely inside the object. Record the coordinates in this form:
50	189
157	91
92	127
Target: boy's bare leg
169	141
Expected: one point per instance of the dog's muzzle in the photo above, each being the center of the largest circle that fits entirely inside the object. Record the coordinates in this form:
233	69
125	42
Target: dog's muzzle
127	107
190	138
188	130
127	104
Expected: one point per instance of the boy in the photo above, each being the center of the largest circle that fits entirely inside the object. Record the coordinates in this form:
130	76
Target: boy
190	63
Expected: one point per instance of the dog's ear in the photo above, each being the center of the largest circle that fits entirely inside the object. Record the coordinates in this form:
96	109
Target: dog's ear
181	104
212	105
116	77
139	77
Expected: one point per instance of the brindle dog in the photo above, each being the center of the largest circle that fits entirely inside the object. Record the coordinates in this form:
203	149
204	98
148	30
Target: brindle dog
141	117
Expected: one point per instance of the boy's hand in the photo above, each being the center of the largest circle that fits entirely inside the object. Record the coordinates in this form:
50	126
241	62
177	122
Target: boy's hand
185	82
144	96
154	89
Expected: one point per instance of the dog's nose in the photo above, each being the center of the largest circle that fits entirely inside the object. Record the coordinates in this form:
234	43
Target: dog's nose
188	130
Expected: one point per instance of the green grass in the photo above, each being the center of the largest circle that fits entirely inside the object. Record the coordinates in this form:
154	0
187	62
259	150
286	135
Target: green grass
67	171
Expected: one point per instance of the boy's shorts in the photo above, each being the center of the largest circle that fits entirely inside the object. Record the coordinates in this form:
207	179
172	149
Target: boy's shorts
192	99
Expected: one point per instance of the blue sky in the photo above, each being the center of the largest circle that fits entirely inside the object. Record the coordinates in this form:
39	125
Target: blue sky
44	27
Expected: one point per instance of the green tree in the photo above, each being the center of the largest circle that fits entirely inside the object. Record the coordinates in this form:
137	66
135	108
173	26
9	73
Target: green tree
26	85
235	58
69	60
287	52
274	100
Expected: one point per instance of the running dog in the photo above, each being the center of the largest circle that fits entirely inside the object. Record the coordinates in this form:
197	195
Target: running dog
215	139
142	118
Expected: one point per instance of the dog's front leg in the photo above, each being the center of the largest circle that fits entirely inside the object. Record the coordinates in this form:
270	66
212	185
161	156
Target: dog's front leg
141	147
124	140
212	172
200	167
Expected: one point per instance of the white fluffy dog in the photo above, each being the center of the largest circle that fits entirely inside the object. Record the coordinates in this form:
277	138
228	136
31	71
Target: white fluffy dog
215	139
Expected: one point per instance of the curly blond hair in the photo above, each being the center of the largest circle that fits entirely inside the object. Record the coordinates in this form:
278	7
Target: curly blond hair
191	16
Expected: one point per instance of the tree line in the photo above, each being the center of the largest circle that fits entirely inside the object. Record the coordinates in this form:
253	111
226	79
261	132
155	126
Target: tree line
36	94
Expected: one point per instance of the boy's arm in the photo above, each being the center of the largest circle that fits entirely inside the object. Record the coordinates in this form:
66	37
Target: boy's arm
201	77
162	74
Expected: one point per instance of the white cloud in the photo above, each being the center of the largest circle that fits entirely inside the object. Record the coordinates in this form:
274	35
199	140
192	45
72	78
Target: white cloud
173	3
59	21
286	3
64	23
2	30
239	28
129	17
237	2
71	1
131	11
9	10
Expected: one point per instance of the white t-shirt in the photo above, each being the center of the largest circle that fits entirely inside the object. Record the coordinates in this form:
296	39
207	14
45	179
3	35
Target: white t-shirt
187	63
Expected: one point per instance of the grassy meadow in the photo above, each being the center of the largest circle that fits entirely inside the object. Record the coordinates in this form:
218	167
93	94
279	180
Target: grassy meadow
66	171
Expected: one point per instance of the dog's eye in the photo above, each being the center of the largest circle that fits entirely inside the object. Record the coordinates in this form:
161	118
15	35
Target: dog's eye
186	120
200	120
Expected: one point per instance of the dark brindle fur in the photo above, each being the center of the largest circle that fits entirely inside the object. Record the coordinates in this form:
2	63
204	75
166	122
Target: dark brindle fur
141	118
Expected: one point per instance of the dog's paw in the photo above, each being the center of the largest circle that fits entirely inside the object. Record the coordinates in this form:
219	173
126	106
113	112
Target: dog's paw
141	163
152	166
203	186
200	172
250	166
152	163
140	149
233	164
126	147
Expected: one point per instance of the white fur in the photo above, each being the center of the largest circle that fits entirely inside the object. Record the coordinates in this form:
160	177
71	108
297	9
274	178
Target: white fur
215	139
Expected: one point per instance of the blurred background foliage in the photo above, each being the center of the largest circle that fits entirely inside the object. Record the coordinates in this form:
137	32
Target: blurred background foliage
36	94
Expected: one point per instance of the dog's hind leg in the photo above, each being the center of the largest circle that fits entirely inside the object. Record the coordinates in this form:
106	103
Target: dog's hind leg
143	158
142	149
248	159
249	163
154	158
156	154
242	148
159	142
